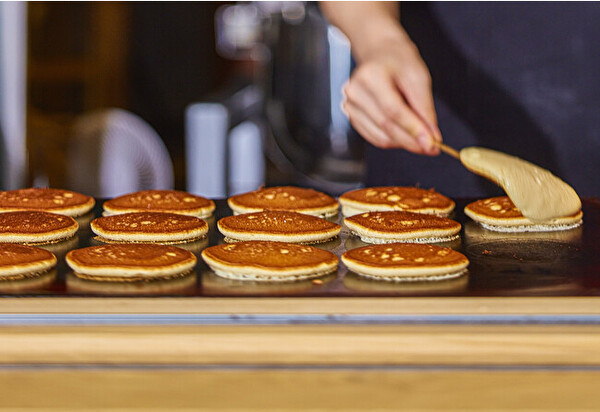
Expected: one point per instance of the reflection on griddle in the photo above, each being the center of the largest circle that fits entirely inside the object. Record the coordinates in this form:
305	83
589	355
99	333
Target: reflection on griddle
216	285
354	242
355	282
195	247
31	283
475	233
185	285
85	220
60	249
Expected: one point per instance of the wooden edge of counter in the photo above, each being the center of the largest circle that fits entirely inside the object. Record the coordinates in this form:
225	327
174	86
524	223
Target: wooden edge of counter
307	306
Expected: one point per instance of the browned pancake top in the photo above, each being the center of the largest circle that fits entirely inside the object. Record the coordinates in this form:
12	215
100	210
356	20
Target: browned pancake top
407	255
13	255
396	221
272	255
273	221
284	198
130	255
148	222
34	222
41	199
406	198
165	200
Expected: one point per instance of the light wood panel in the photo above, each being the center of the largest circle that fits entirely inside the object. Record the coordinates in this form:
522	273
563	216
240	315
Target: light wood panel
298	345
408	306
294	390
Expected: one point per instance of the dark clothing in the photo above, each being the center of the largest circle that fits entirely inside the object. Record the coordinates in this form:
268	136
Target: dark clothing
522	78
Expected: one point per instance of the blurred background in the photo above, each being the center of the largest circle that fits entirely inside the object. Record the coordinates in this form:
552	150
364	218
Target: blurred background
215	98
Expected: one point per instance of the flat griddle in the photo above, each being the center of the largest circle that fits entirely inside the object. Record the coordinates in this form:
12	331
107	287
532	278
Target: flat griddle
565	263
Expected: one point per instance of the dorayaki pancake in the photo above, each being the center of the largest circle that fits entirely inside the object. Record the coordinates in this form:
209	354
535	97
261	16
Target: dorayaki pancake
391	227
384	198
406	262
169	201
149	227
278	226
289	198
63	202
20	261
501	215
269	261
184	285
36	227
130	262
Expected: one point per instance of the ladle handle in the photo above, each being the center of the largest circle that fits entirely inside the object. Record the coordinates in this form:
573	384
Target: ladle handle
447	149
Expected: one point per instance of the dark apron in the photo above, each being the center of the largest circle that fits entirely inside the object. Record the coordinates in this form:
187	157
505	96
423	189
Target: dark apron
523	78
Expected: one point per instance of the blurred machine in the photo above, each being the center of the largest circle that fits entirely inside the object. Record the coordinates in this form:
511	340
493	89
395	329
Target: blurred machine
284	126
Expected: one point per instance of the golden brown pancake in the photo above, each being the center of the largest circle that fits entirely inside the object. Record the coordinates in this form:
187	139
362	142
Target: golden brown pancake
63	202
406	262
384	198
269	261
149	227
170	201
289	198
393	226
36	227
19	262
130	262
501	215
280	226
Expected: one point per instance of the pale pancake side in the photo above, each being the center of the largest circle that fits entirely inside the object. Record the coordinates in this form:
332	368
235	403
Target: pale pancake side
130	261
263	260
290	198
394	226
63	202
149	227
169	201
389	198
36	226
500	214
282	226
408	260
16	260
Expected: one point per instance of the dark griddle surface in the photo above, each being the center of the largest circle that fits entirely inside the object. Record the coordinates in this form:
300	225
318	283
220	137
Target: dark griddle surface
545	264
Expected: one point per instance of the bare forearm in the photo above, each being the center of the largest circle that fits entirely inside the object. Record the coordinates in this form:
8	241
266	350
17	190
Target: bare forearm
368	25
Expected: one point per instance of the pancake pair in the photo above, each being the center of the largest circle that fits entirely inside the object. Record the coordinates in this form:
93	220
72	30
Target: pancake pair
501	215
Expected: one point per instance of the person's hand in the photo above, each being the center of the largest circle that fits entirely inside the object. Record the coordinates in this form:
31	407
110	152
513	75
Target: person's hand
389	99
